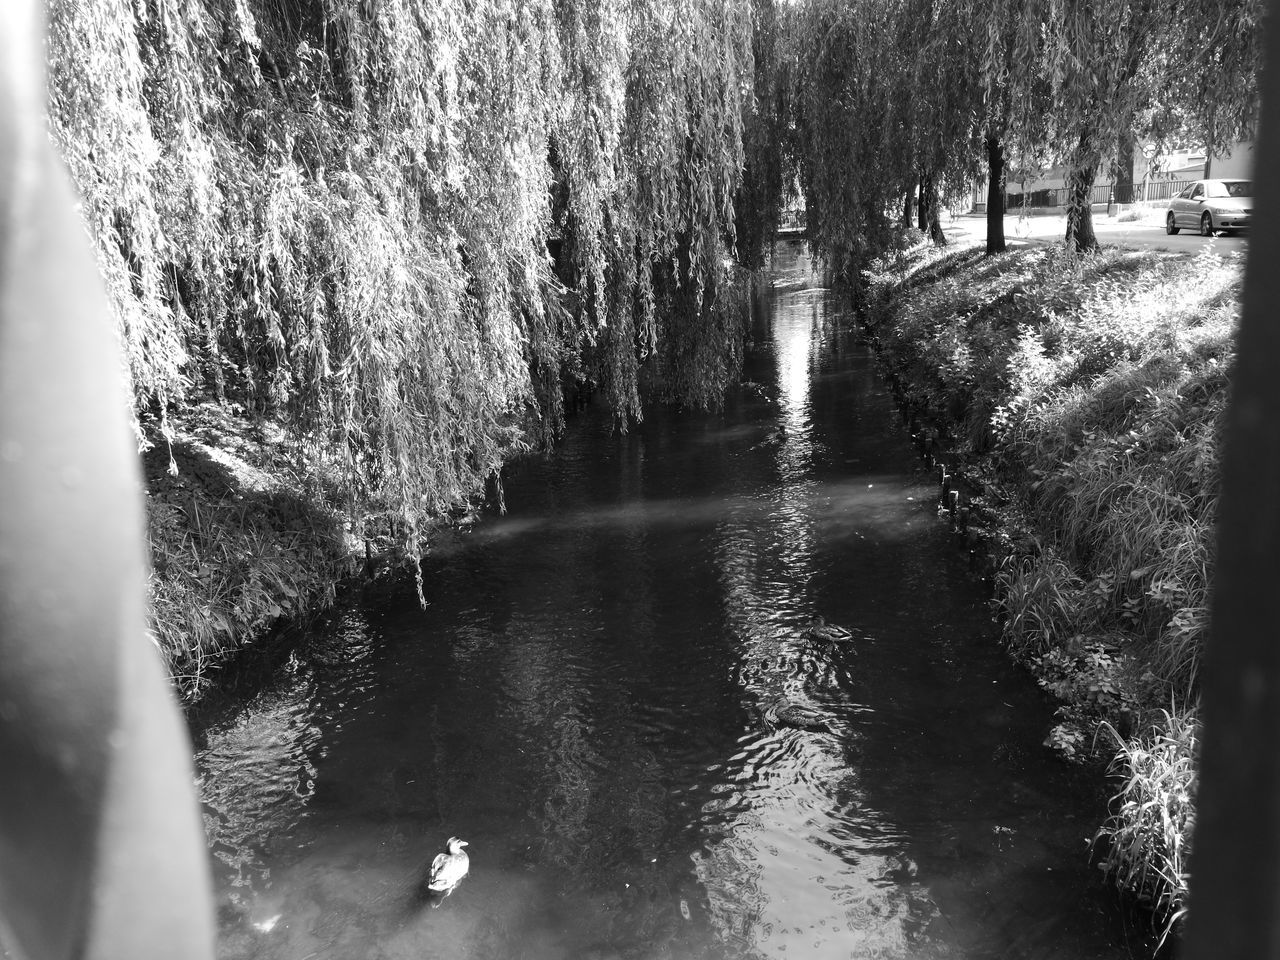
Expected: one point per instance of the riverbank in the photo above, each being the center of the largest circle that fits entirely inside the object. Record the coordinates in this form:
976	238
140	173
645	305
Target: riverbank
1078	403
241	537
249	532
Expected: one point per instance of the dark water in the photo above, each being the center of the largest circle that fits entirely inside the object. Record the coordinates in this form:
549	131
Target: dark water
582	700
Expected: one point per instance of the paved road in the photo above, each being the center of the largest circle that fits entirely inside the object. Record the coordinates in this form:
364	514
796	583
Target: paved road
1147	233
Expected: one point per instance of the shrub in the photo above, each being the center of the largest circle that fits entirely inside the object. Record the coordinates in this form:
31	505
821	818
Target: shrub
1149	833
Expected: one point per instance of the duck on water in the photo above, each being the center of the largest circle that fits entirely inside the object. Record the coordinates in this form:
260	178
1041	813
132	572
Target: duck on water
782	713
820	631
448	869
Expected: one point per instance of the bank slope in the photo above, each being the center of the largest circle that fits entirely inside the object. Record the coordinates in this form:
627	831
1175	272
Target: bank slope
1082	398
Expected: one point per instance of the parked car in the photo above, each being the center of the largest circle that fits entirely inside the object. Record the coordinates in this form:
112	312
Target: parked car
1209	205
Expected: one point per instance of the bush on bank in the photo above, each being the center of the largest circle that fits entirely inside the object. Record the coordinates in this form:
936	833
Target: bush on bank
1084	396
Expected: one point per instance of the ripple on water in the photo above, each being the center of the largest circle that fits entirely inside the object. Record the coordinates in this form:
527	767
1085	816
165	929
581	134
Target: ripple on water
258	771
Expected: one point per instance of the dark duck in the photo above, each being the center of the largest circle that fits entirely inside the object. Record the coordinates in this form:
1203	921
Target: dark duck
820	631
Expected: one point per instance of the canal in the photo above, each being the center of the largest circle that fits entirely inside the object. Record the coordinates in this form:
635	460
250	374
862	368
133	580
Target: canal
584	701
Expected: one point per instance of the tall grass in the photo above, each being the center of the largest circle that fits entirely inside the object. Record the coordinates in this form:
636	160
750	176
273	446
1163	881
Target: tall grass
226	570
242	535
1041	599
1099	384
1147	838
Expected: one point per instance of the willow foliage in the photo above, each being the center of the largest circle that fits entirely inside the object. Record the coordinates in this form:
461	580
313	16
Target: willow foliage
853	132
403	226
769	143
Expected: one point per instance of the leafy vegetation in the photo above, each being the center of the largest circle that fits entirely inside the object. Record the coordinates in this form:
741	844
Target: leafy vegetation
240	538
1085	396
403	231
1148	837
400	228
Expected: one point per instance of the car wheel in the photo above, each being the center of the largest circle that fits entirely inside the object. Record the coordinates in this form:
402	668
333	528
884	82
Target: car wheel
1170	225
1206	225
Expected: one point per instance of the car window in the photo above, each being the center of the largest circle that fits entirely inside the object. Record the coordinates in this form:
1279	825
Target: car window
1197	190
1239	188
1186	192
1216	188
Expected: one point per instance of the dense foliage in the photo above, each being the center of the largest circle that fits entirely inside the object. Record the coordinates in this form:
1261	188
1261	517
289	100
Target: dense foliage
1100	387
404	228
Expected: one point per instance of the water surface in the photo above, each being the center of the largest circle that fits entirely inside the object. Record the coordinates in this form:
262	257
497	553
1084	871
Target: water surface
582	701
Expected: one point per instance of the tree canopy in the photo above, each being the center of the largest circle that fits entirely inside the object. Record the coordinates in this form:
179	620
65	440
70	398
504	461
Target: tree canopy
406	227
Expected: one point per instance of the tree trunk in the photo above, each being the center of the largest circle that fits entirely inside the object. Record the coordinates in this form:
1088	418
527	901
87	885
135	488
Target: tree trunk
995	193
1212	146
1082	168
922	206
907	205
1123	170
929	210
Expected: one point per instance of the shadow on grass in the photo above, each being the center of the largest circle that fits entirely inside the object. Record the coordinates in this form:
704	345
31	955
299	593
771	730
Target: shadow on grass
239	541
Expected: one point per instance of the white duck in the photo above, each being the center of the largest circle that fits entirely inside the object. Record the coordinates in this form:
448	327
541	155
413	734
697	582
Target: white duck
448	869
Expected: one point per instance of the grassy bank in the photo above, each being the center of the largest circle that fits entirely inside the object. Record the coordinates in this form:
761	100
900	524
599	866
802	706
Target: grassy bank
1081	400
248	532
242	535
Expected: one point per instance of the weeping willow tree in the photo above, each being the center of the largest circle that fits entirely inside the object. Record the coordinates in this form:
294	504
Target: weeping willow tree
403	226
844	93
888	104
1095	65
770	158
651	155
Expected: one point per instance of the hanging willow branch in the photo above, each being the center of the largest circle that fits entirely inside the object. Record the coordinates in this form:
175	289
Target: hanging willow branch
402	227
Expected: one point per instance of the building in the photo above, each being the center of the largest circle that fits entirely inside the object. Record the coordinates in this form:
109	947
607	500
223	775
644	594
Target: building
1236	163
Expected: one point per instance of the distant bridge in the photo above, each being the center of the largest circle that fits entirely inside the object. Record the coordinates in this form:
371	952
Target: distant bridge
792	223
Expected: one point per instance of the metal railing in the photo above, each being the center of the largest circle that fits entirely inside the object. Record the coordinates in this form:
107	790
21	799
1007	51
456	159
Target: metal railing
1165	189
1102	193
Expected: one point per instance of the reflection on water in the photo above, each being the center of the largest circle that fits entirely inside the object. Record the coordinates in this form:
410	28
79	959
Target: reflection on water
583	701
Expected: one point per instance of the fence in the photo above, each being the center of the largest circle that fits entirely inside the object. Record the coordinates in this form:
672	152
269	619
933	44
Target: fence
792	220
1166	189
1152	190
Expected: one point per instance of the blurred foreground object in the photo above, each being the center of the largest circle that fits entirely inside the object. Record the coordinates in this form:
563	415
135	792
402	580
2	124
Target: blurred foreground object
101	848
1235	865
